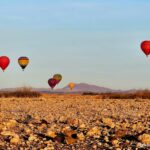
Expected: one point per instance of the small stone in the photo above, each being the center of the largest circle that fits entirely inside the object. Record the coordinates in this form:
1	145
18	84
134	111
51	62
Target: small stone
31	125
37	119
42	127
81	136
106	139
51	134
32	137
99	144
94	146
11	124
108	122
82	126
120	133
15	140
62	119
8	133
127	141
115	142
73	122
70	140
145	138
27	130
134	127
65	129
94	131
124	126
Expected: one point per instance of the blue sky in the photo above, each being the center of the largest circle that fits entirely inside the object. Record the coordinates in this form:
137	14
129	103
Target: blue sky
92	41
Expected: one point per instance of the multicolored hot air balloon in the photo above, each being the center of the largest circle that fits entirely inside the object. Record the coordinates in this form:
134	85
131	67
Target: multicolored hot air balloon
71	85
57	77
52	83
23	62
145	46
4	62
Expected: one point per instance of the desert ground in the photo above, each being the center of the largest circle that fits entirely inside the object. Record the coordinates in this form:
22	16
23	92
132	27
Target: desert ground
74	122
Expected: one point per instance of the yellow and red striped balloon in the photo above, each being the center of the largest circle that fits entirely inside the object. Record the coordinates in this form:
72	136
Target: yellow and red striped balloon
23	62
57	77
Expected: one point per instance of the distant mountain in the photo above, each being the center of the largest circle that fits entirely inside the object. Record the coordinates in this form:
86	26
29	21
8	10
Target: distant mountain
80	88
83	87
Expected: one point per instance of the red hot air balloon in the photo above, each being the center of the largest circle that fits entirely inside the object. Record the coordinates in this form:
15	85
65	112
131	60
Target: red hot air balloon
145	46
52	83
4	62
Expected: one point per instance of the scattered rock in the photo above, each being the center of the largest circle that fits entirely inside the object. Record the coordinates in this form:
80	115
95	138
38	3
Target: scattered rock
93	123
115	142
42	127
144	138
15	140
32	138
70	140
81	136
51	133
120	133
73	122
8	133
63	119
108	122
27	130
82	126
11	124
94	132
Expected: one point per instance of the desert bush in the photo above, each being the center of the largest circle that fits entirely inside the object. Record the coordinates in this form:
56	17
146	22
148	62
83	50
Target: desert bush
142	94
20	92
90	93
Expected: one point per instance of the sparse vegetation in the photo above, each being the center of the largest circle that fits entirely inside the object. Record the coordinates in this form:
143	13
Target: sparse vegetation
90	93
20	92
143	94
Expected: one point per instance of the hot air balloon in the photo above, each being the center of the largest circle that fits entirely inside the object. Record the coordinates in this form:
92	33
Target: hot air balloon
23	62
4	62
145	46
57	77
52	83
71	85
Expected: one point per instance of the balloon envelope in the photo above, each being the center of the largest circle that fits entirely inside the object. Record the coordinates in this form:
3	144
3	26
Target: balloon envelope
23	62
4	62
52	82
71	85
57	77
145	46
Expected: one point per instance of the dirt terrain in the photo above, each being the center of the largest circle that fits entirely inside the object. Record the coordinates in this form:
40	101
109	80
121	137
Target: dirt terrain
74	122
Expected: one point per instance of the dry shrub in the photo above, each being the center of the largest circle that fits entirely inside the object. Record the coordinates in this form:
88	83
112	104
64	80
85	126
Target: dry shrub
90	93
20	92
142	94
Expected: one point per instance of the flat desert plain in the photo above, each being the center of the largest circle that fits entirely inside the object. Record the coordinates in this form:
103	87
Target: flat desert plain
74	122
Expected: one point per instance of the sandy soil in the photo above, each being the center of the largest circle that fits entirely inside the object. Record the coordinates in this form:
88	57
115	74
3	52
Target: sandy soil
74	122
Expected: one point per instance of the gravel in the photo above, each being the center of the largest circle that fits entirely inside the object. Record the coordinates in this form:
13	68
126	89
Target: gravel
74	122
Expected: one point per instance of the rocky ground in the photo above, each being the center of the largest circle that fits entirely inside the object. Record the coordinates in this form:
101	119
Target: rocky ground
74	122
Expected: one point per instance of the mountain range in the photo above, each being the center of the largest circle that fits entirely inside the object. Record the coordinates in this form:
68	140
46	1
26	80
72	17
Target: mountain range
79	88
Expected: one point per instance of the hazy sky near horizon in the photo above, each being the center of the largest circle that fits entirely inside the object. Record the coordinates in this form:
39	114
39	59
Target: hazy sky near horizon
92	41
